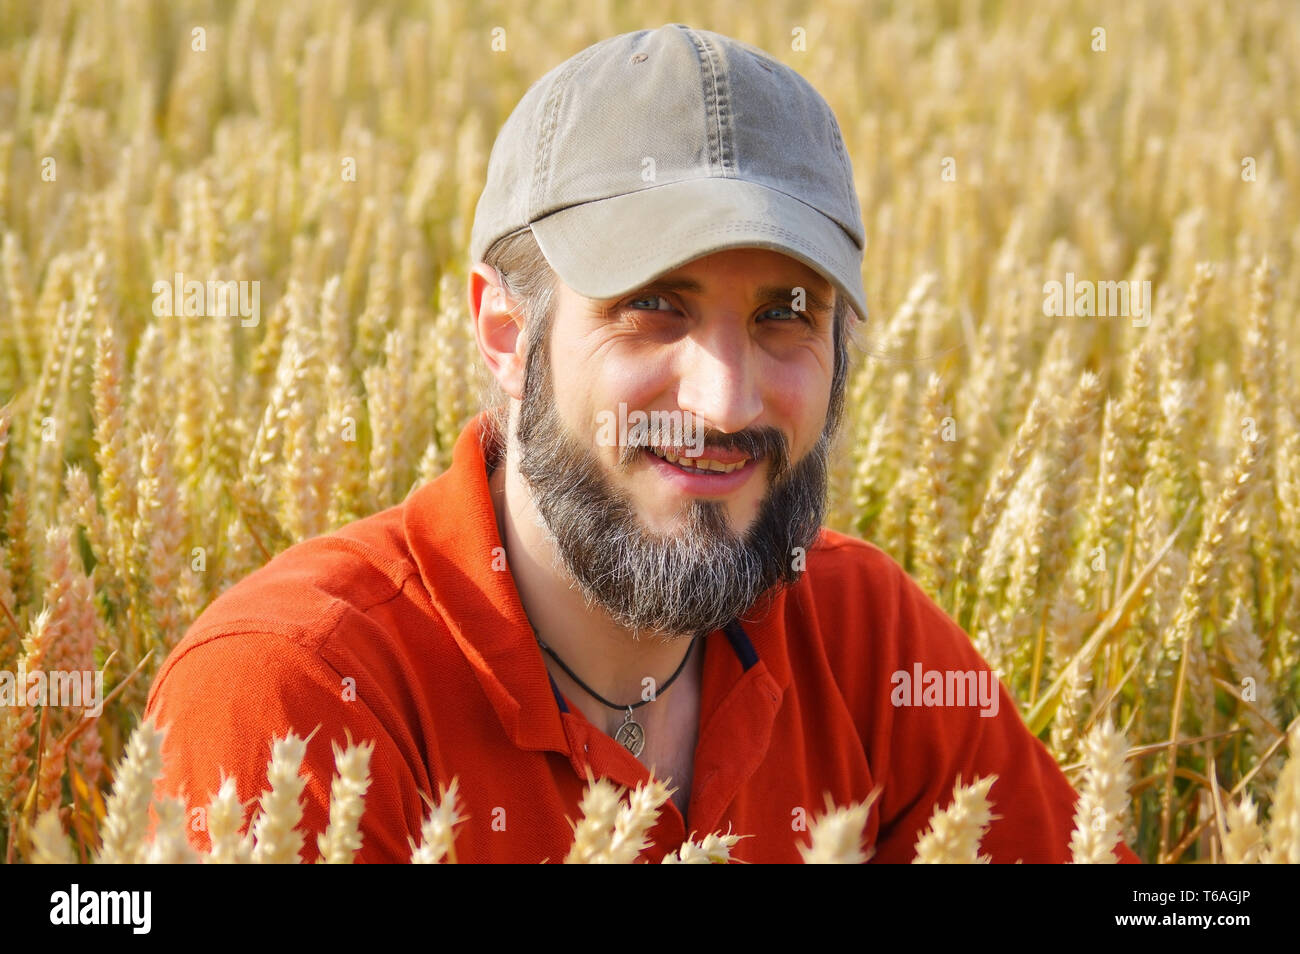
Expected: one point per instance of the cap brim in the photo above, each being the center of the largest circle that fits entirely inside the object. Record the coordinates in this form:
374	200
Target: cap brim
606	248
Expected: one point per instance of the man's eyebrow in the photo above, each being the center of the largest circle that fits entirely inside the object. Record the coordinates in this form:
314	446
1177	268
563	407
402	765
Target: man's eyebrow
814	301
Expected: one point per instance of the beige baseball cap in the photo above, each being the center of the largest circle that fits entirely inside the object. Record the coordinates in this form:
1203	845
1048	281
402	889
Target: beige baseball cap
651	149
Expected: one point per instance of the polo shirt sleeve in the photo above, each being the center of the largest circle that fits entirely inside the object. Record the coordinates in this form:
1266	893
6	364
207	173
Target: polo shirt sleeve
920	752
224	697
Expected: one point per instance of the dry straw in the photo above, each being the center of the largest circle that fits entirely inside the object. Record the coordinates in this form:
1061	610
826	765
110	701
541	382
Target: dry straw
172	455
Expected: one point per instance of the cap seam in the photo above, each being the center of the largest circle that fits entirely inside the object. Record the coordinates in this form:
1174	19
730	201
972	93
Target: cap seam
715	101
554	101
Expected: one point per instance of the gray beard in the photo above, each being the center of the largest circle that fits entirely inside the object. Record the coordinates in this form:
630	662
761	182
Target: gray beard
694	581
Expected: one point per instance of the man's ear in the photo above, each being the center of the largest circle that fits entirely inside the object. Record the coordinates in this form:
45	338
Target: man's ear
498	328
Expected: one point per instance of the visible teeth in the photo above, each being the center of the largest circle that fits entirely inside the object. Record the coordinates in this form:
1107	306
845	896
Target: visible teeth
698	463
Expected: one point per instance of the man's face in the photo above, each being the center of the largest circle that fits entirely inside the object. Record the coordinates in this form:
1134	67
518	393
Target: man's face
661	550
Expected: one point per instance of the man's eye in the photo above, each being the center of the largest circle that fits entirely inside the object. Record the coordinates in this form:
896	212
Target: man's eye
635	305
651	298
796	315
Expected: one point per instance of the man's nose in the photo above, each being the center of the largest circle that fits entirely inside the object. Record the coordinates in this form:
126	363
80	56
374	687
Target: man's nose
719	380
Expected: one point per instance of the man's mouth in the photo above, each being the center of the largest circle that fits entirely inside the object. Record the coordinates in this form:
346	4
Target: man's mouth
699	465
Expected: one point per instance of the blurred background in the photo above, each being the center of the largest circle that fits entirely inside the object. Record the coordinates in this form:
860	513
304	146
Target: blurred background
1109	504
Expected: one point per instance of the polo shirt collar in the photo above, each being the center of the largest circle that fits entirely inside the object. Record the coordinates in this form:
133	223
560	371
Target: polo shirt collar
451	533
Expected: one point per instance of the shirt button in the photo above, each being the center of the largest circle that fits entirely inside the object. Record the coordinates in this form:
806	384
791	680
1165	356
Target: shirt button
584	746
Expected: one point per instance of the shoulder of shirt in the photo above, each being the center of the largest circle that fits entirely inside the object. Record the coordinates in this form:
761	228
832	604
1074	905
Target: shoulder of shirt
841	547
846	571
320	589
866	604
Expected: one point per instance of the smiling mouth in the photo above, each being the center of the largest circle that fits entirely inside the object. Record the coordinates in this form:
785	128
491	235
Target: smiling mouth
697	465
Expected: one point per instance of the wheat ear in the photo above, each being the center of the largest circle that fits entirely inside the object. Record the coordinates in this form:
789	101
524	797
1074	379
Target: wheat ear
341	841
126	819
955	832
711	849
1243	844
836	836
225	819
438	833
634	821
49	843
169	845
1284	820
1101	813
276	839
599	806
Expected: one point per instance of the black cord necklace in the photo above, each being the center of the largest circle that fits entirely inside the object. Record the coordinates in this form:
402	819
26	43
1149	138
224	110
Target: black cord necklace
630	734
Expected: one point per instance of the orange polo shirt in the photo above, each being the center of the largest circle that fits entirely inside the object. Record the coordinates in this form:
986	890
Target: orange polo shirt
397	628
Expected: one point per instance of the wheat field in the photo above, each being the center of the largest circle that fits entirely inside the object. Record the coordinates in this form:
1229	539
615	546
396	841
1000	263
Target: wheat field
1108	503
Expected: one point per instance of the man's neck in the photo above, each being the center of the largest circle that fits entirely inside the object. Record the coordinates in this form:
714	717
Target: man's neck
603	654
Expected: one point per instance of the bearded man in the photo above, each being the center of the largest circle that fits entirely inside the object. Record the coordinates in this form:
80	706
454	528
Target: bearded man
669	225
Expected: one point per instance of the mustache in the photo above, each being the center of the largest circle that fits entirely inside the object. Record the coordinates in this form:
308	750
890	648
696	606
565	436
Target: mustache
760	443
